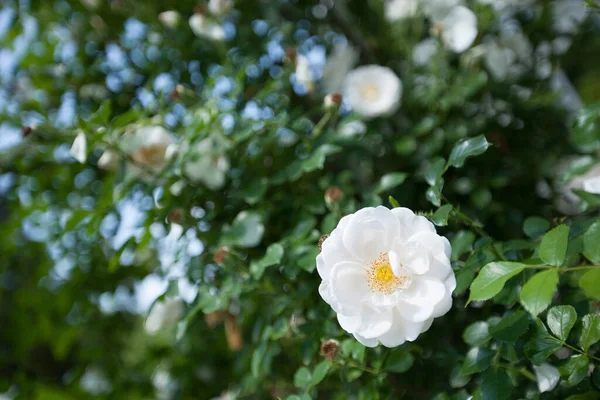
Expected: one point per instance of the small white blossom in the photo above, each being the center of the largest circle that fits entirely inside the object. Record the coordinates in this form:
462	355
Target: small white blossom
341	61
109	160
79	148
164	314
424	51
208	164
148	147
400	9
220	7
373	90
592	185
547	377
304	73
459	29
207	29
509	56
170	19
387	275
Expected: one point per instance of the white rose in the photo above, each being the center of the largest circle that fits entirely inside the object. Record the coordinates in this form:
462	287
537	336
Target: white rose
547	377
207	29
459	29
149	146
169	19
387	275
568	15
208	164
373	90
424	51
220	7
400	9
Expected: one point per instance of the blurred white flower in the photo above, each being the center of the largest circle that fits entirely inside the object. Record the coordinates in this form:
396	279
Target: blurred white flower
568	15
373	90
341	61
592	185
94	382
109	160
439	9
459	28
547	377
220	7
352	128
424	51
568	202
207	29
387	275
508	56
170	19
208	163
304	73
504	5
79	148
149	146
400	9
164	314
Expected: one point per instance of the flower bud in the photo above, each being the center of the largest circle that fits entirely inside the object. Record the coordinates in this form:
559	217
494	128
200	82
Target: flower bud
26	131
290	55
214	318
233	333
321	240
333	195
219	256
332	101
175	215
330	348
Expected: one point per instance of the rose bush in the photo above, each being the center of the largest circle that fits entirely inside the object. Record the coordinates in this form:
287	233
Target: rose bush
340	199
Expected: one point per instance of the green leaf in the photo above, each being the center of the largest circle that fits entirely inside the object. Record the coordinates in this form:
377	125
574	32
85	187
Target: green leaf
585	396
560	320
510	328
440	217
393	202
399	360
467	148
535	227
492	277
434	171
575	369
257	359
461	243
590	333
537	293
302	378
389	181
496	384
273	256
101	116
477	360
476	334
590	283
591	243
320	372
541	345
596	378
434	193
317	159
554	245
246	231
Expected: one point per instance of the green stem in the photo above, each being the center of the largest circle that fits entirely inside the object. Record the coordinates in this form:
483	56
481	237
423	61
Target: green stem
575	349
561	270
361	367
318	129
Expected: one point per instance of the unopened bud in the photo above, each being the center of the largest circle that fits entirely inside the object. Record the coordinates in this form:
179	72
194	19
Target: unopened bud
290	55
321	240
175	215
332	100
330	348
333	195
26	131
219	256
233	333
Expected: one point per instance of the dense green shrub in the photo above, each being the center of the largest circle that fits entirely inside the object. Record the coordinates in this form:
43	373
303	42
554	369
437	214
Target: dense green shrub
167	180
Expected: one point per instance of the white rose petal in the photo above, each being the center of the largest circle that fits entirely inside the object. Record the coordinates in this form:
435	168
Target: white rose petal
169	19
373	90
207	29
547	377
400	9
109	160
148	146
592	185
304	73
79	148
459	29
343	58
220	7
424	51
208	165
568	15
387	275
163	315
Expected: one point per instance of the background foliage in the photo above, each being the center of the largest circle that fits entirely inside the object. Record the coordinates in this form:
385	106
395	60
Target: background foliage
85	252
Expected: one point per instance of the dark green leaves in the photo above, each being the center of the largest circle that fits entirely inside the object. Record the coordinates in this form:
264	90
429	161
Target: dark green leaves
389	181
510	328
591	243
560	320
541	345
575	369
496	384
590	333
440	217
477	360
537	293
492	277
467	148
399	361
476	334
272	257
434	172
302	378
535	227
554	245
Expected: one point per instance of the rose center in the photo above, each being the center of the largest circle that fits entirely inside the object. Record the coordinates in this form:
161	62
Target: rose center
149	155
384	273
370	92
381	277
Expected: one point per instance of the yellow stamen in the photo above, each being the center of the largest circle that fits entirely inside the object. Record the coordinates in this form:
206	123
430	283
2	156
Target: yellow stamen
381	278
